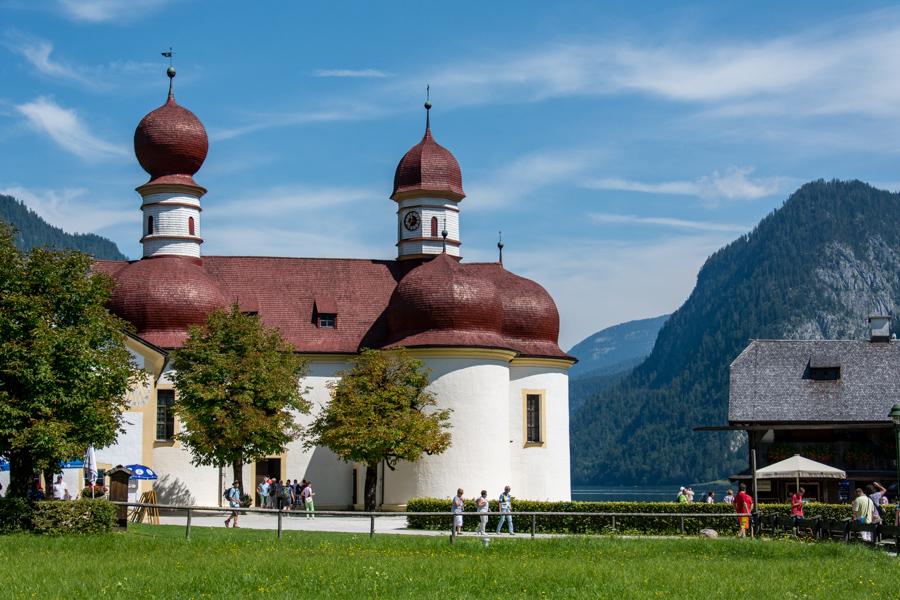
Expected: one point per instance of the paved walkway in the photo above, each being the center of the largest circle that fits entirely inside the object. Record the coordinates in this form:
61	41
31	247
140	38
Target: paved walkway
390	523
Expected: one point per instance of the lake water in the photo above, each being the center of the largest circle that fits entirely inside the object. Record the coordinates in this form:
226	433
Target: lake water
640	493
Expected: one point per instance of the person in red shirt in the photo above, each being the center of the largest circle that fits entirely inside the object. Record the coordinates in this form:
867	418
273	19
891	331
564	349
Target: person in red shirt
743	504
797	503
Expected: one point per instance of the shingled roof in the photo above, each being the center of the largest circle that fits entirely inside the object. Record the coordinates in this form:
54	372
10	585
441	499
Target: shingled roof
771	381
288	293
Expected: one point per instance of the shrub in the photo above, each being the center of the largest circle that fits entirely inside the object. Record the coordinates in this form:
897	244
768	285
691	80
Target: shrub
55	517
661	525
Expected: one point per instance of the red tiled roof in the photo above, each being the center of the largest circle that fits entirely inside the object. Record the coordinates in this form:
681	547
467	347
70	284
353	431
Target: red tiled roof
429	167
171	141
439	303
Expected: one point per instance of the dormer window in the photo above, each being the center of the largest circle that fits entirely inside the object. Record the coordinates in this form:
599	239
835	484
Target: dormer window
434	232
190	225
325	311
150	225
824	368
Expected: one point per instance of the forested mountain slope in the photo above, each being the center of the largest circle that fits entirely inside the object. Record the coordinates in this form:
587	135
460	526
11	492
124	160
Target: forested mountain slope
606	357
34	231
813	269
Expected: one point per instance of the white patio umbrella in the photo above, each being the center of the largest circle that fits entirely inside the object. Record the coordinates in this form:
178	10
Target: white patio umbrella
796	467
90	467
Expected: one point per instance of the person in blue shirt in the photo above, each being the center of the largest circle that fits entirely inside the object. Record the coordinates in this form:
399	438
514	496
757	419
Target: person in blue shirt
263	490
234	499
505	507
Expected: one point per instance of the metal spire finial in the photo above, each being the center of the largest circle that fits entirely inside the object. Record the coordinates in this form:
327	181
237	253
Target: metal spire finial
428	107
500	245
444	235
171	70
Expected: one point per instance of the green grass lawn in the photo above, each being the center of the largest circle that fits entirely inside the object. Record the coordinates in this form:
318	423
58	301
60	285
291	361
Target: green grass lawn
157	562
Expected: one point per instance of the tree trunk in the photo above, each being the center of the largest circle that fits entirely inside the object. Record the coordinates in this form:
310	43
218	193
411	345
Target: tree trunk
49	480
371	484
21	474
238	468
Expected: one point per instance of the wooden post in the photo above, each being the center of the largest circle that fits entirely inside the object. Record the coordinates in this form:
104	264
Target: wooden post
280	515
681	520
453	531
372	527
614	524
187	531
118	492
533	525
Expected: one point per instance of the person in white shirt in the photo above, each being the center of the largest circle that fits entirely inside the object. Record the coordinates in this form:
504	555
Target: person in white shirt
60	490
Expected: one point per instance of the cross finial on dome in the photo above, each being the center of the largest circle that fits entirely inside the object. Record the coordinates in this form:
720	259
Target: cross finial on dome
500	245
428	107
444	235
171	70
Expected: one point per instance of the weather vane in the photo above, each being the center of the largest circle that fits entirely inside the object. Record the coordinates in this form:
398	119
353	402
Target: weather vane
171	70
169	54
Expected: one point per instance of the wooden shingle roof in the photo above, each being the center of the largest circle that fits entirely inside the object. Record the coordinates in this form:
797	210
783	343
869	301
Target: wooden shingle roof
771	381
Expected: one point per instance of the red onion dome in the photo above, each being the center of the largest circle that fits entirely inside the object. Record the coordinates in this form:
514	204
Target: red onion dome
428	167
171	144
528	310
441	303
163	296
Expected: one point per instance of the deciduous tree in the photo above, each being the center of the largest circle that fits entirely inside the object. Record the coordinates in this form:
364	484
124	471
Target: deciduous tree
380	411
239	391
64	367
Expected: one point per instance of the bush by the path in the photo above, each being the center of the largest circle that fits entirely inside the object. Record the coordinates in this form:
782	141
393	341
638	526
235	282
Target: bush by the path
661	525
56	517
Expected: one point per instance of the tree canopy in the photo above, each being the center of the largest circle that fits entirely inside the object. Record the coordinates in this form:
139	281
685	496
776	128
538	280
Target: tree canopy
379	411
239	390
64	367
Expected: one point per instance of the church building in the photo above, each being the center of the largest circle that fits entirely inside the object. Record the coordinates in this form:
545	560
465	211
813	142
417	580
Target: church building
489	336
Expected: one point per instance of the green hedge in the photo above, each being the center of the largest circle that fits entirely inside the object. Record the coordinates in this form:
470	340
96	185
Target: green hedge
661	525
56	517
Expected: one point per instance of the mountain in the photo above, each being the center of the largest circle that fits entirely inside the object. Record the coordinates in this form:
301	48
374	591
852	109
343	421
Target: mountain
606	357
600	352
34	231
816	268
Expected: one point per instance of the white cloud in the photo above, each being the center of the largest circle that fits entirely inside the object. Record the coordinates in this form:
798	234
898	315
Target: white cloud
734	184
848	67
667	222
526	175
98	11
69	210
67	130
349	73
37	51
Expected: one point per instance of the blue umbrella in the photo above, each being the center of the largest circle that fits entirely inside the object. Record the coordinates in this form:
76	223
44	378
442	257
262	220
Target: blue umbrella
141	472
4	466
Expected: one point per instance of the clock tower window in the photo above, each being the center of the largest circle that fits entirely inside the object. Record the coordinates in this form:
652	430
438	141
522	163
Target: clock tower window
434	231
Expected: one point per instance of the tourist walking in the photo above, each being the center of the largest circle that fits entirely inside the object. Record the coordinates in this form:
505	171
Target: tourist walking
711	497
505	507
273	492
875	497
690	494
797	503
308	500
483	506
233	495
682	496
263	490
743	505
60	491
729	497
458	506
862	512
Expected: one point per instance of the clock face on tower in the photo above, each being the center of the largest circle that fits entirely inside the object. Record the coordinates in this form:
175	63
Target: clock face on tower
411	221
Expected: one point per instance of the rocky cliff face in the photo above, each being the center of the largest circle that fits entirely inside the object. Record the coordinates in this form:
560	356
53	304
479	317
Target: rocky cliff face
849	289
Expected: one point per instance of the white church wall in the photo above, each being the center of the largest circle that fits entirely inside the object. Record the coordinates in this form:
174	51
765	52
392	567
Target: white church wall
475	384
540	473
331	477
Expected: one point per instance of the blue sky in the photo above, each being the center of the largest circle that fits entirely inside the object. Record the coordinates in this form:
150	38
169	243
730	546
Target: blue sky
616	145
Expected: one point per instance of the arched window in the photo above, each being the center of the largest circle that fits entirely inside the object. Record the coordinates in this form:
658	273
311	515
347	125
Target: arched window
434	232
190	225
150	225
